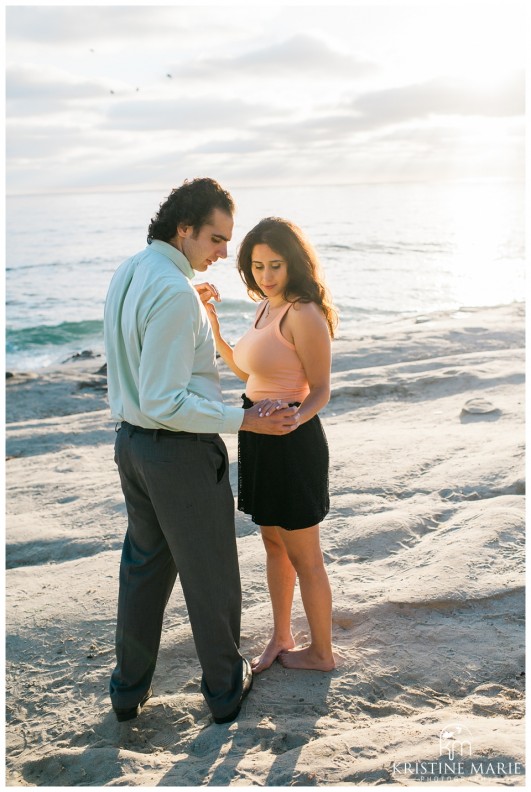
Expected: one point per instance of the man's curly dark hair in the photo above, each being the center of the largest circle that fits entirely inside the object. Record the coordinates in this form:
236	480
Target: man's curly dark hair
190	204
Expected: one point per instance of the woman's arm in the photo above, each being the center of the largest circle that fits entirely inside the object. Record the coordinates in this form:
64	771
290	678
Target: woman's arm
313	346
224	349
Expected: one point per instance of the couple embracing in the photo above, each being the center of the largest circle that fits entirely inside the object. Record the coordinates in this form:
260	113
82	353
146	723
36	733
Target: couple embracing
161	334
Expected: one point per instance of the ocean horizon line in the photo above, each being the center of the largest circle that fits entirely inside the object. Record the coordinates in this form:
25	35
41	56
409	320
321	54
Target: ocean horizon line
109	189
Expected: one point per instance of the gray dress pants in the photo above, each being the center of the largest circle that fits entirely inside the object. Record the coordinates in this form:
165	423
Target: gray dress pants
180	511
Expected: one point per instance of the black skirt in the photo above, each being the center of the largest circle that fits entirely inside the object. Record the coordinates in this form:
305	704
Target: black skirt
283	479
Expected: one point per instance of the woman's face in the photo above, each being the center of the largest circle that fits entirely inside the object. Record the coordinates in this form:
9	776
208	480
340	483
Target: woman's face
270	271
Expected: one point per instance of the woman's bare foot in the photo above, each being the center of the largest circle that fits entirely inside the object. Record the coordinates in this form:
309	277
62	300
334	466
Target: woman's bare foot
307	658
270	654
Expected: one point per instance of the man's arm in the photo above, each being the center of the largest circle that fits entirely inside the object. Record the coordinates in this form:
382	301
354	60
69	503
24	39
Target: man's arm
166	365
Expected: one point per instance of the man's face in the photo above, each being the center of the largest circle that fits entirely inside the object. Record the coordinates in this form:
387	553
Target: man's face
205	246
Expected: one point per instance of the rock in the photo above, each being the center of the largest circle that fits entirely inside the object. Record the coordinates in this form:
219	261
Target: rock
85	355
97	384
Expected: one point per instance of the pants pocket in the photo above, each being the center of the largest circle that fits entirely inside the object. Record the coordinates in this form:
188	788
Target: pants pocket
222	459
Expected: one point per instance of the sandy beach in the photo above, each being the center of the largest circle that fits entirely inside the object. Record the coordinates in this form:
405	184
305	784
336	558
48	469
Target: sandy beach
424	546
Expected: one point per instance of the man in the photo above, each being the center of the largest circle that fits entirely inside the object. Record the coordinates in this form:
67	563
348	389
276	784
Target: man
164	390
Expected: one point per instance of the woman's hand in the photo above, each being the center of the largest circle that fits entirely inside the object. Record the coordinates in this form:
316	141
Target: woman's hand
224	349
268	406
207	291
280	422
213	319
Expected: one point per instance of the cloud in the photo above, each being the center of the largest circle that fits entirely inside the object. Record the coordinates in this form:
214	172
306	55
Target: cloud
234	145
303	54
442	96
268	95
393	107
60	142
181	115
32	91
52	25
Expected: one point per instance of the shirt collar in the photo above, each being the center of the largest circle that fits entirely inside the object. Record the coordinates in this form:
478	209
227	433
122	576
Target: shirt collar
175	255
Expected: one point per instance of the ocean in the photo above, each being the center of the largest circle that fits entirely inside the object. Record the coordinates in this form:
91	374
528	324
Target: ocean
387	250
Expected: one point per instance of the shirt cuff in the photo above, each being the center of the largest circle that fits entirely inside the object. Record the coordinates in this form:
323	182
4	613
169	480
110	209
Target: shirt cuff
232	420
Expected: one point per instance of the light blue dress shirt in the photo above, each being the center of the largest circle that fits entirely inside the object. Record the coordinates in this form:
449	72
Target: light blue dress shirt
161	358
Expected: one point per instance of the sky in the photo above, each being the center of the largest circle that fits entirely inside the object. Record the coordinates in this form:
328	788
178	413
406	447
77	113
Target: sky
113	97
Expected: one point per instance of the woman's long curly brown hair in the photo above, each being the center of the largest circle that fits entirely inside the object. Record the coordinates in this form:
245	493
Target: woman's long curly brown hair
305	278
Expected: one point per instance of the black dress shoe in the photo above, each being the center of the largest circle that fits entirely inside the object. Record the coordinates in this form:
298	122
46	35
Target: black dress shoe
132	712
248	680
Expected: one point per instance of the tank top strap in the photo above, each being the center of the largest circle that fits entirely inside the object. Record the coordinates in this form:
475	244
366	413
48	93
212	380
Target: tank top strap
260	312
276	321
258	315
282	313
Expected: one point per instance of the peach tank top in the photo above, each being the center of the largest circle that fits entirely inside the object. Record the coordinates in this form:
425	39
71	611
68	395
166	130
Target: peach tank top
274	368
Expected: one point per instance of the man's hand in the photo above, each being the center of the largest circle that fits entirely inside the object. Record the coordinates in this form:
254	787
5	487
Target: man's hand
279	422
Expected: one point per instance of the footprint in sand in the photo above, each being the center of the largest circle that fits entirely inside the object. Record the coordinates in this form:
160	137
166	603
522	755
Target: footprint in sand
479	406
287	742
346	621
479	409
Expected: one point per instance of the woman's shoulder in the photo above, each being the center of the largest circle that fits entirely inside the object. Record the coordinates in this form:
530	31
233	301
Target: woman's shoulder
306	319
306	311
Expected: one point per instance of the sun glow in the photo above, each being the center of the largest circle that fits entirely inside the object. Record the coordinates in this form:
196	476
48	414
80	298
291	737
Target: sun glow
485	261
463	41
488	52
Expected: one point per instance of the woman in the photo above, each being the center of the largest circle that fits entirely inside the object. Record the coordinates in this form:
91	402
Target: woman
285	359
